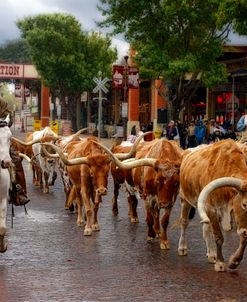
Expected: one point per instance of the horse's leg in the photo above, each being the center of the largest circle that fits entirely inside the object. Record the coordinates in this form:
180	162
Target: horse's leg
3	214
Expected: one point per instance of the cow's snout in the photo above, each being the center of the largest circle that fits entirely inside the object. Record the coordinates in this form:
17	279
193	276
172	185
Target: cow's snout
101	191
5	164
50	161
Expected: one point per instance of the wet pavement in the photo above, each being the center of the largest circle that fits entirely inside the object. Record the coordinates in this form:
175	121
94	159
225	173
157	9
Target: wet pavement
49	259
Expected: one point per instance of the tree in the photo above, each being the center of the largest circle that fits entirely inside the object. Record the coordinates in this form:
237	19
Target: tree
235	11
7	95
178	40
66	57
16	51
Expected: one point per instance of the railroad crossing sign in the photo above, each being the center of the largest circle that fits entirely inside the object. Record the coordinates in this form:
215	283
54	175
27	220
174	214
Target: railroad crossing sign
99	88
100	84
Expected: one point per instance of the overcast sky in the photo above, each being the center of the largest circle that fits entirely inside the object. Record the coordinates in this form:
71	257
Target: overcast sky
85	11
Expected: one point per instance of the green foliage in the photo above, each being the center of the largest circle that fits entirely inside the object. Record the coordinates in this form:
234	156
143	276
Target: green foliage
7	95
16	51
235	12
173	38
66	57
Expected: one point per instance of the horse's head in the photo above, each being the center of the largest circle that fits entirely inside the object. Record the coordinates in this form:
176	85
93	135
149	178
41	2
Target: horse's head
5	135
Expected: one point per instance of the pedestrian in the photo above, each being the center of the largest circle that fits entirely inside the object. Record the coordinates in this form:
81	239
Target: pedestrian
133	130
149	128
171	130
200	132
191	135
183	135
241	125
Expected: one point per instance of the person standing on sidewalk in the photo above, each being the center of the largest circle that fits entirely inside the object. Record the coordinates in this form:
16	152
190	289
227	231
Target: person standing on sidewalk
242	125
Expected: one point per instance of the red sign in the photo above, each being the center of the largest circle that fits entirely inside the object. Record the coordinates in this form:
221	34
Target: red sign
118	77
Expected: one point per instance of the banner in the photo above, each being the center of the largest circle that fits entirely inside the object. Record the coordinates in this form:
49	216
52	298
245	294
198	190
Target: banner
133	78
118	76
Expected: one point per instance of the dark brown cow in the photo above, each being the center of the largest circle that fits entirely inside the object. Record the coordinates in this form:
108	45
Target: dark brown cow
120	176
210	170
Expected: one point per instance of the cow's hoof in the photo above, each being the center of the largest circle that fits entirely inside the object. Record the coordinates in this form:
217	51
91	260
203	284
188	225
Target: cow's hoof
80	223
183	251
164	245
233	264
95	227
219	266
88	232
3	245
150	239
211	258
134	220
46	191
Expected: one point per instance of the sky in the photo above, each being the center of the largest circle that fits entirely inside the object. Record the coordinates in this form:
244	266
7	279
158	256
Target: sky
85	11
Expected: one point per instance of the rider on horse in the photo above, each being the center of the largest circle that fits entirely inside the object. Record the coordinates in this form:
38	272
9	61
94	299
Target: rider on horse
18	192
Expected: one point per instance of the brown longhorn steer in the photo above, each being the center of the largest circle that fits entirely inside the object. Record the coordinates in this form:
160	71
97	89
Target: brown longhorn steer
121	175
157	183
88	168
207	170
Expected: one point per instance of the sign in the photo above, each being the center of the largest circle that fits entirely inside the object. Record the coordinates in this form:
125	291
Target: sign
18	71
100	84
133	78
118	77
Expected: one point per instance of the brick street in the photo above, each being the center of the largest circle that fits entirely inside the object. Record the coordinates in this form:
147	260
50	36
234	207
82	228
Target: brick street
49	259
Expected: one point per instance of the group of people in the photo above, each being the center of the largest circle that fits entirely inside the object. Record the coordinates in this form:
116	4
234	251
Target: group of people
195	133
137	131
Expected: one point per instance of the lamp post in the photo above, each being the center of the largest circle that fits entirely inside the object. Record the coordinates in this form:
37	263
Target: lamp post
125	104
22	107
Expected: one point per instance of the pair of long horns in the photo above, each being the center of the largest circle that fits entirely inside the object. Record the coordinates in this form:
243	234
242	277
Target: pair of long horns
129	164
237	183
32	142
132	151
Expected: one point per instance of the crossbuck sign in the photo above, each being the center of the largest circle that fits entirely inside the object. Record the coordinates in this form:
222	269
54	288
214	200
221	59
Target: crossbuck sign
99	88
100	84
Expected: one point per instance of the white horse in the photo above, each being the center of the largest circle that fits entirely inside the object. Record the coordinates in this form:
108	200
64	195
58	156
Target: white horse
5	160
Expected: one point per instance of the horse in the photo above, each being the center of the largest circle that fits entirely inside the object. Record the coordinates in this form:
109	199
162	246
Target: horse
5	164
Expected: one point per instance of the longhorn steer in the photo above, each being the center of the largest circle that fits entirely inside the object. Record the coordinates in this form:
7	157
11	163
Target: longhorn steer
88	168
121	175
157	183
46	167
210	167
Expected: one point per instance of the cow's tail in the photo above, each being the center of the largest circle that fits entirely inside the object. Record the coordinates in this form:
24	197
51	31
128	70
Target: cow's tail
192	213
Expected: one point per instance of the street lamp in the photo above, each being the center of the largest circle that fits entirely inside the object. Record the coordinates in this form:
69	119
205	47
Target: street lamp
22	106
125	117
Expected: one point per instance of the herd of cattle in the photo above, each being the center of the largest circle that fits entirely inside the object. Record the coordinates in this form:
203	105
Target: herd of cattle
212	178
